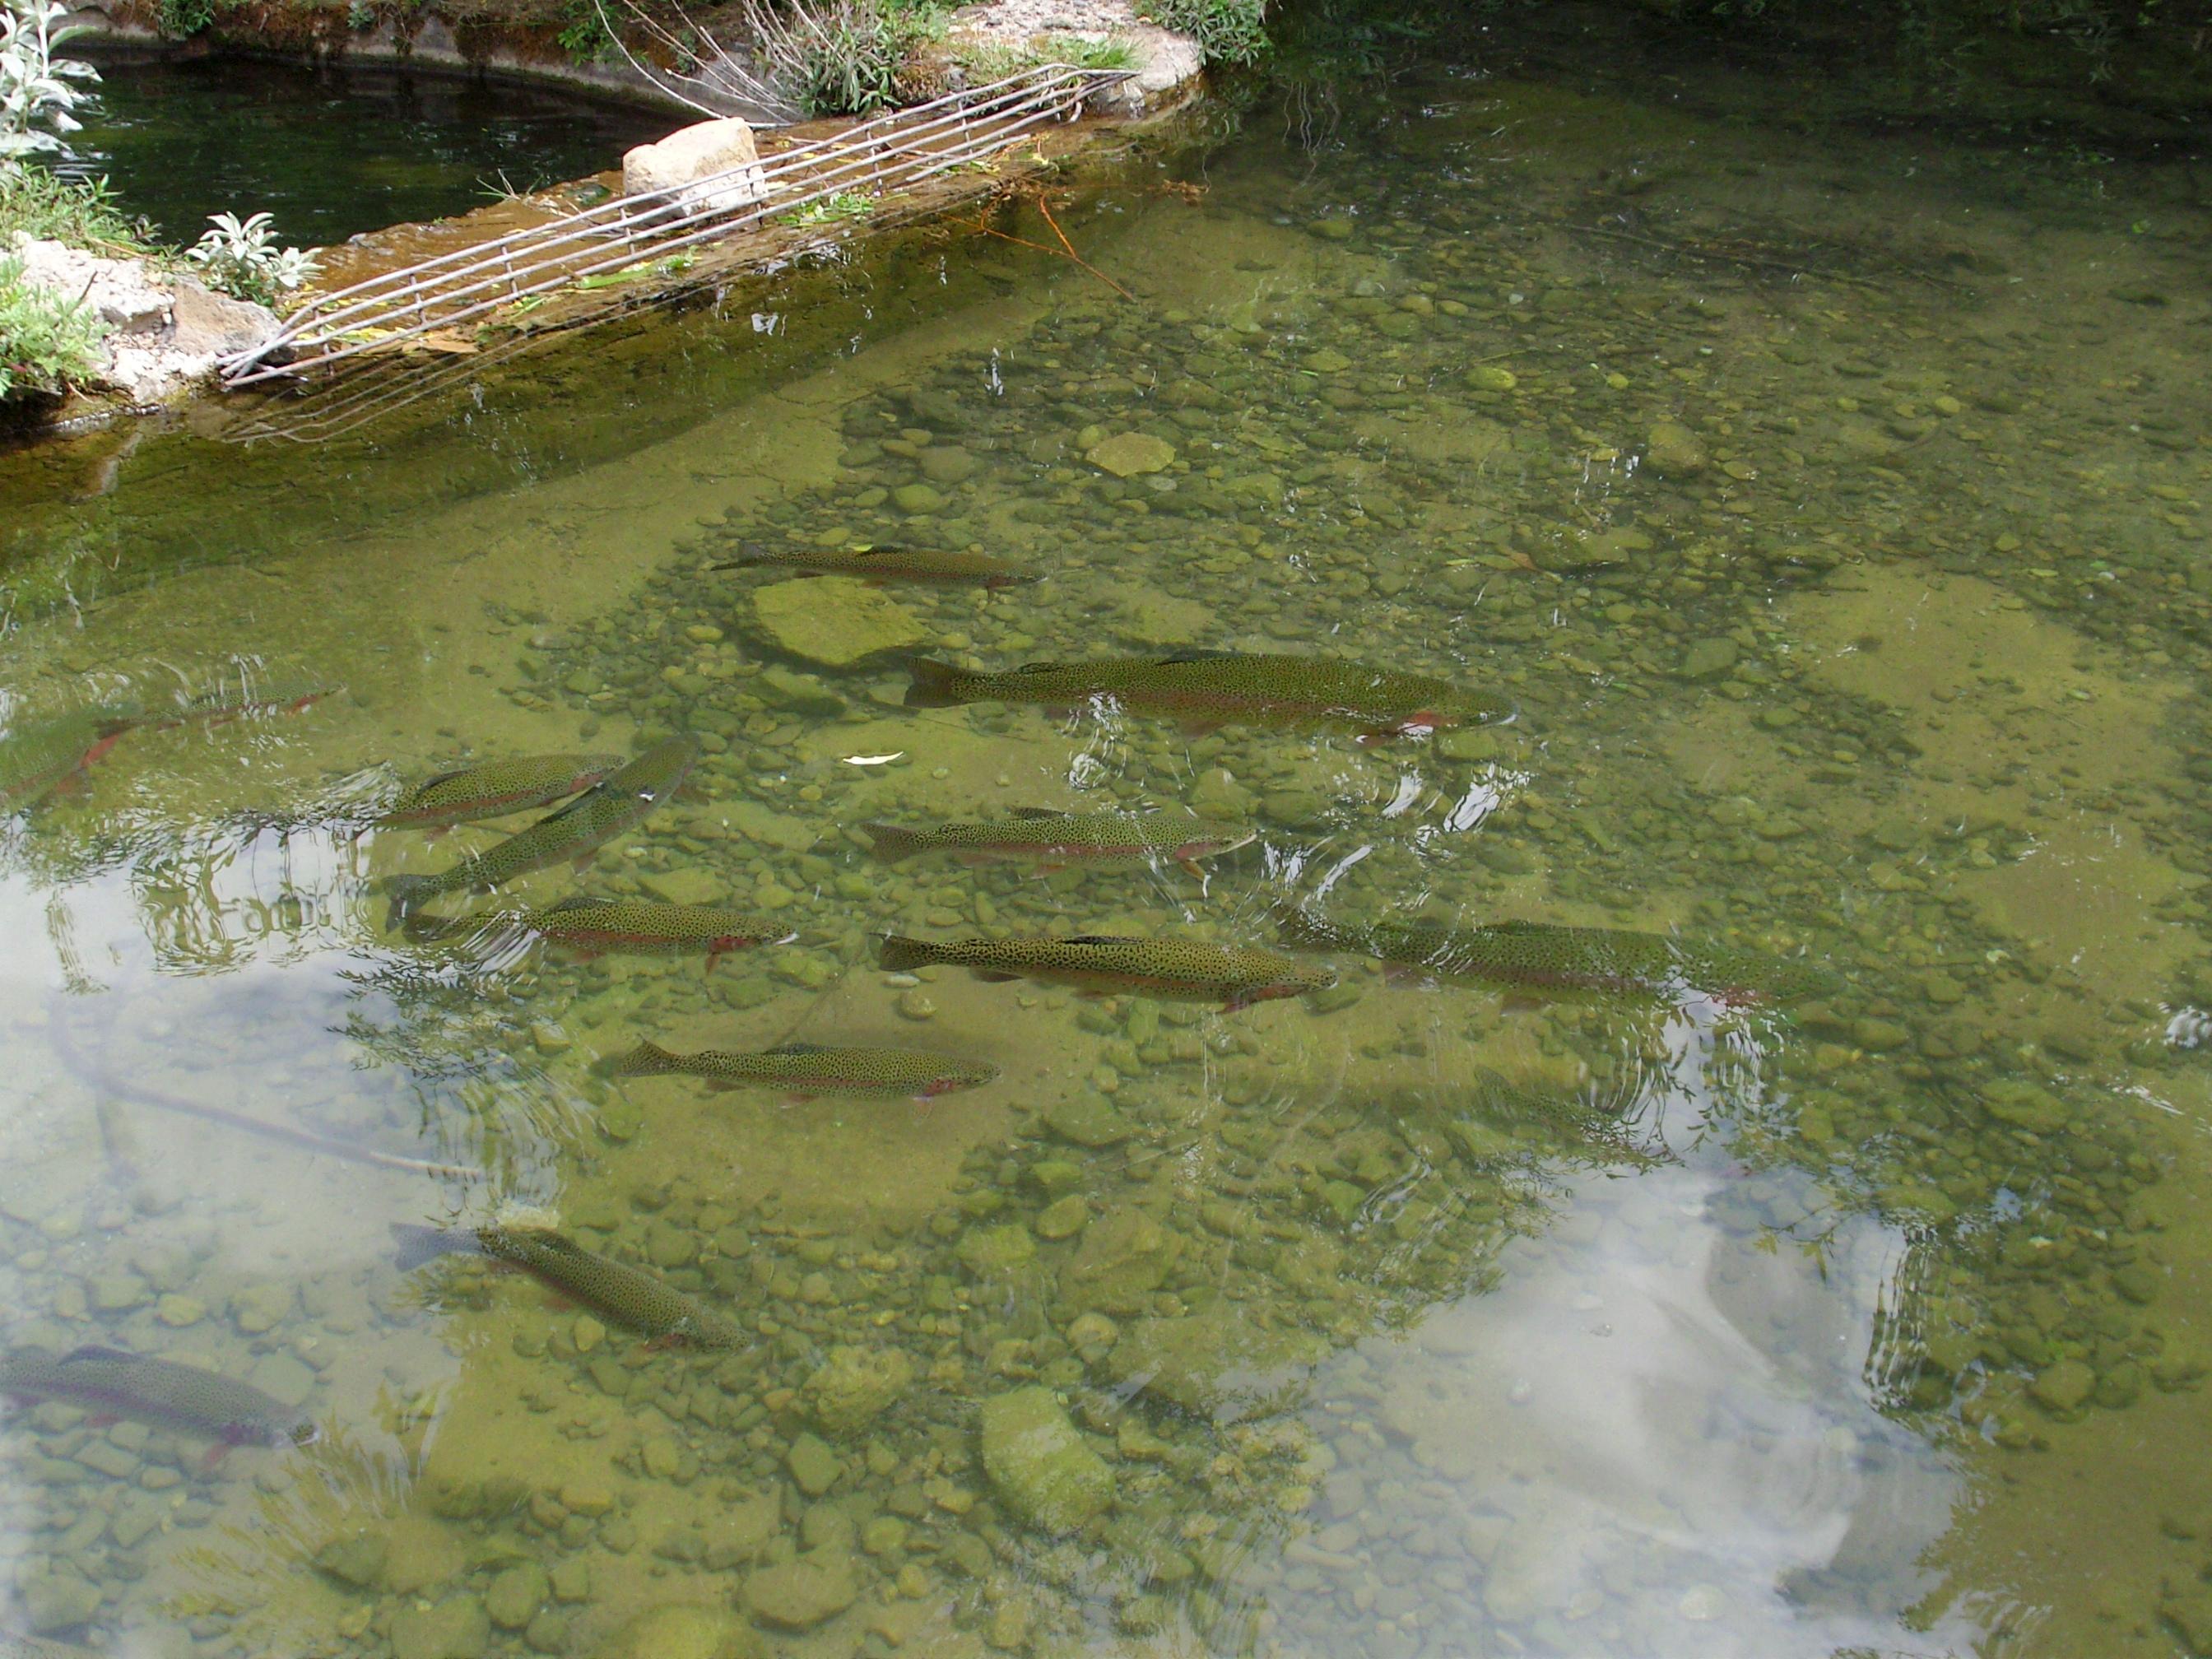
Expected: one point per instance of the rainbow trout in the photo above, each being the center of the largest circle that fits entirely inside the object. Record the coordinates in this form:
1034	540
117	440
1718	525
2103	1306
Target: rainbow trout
160	1392
632	926
1205	689
617	802
1035	836
1539	956
630	1296
35	758
806	1068
495	789
1172	969
268	697
877	565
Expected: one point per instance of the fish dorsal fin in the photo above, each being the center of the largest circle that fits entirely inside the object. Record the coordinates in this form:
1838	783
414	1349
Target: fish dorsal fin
870	552
1509	926
432	782
798	1048
579	902
1040	668
1035	812
92	1351
1104	938
1200	653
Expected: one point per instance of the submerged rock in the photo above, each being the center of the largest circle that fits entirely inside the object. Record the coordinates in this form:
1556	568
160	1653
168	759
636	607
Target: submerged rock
1131	454
1124	1257
800	1594
455	1629
1224	1363
1038	1464
833	620
855	1386
1673	450
684	1629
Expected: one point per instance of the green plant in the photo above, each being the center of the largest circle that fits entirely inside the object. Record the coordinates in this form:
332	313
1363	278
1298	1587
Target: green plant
588	39
844	204
1227	31
34	84
987	61
840	57
242	260
79	212
46	341
182	19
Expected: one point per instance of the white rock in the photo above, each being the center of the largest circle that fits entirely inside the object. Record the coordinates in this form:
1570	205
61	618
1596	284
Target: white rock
692	154
168	333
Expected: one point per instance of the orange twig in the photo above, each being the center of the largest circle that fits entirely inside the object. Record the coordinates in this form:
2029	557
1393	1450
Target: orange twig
1066	249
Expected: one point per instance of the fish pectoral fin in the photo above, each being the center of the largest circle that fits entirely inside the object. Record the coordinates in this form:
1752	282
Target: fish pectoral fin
1191	865
993	976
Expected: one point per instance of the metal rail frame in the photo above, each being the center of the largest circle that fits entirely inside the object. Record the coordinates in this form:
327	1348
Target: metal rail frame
386	312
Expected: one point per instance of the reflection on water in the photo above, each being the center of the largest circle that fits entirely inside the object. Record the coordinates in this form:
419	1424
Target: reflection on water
335	152
1853	620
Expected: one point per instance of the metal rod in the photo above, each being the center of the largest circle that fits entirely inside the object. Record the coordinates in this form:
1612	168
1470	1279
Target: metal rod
561	253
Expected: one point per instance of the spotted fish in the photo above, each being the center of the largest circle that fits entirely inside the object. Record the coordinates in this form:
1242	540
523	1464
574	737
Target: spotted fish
594	927
1036	836
1174	970
1209	689
878	565
630	1296
617	802
495	789
808	1068
35	758
160	1392
1538	956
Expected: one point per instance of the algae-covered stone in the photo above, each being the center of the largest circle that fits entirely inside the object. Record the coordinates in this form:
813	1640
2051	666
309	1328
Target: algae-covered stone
1488	377
1221	1363
800	1594
2064	1387
684	1629
833	620
357	1561
455	1629
993	1252
56	1598
516	1594
855	1386
1063	1218
1088	1119
1673	450
1124	1257
1132	453
2023	1106
1711	659
813	1466
916	499
1039	1466
798	694
687	886
260	1308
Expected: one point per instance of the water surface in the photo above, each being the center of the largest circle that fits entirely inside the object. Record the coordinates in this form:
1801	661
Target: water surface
1844	554
333	152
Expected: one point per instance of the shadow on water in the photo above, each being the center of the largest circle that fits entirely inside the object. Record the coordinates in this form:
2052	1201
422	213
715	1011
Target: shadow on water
1843	560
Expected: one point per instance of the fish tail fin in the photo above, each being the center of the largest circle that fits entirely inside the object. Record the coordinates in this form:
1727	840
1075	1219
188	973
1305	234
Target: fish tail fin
402	894
890	843
1302	931
895	954
420	1244
934	684
648	1059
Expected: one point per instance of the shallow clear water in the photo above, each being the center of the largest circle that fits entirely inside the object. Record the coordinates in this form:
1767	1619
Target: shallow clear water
1406	1319
333	152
